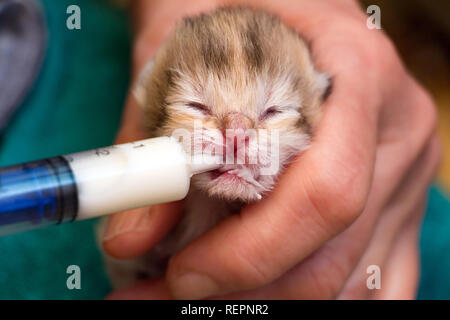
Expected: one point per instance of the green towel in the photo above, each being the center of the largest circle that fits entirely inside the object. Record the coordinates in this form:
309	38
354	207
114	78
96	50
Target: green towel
76	105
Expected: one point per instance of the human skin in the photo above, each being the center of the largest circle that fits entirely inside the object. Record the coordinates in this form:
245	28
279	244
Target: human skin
355	198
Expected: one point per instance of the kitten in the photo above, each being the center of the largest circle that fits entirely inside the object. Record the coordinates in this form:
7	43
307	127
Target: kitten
231	70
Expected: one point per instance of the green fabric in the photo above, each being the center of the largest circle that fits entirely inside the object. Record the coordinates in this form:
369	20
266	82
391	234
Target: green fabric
76	105
435	248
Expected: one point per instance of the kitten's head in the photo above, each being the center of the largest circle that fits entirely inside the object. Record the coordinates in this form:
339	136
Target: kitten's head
243	85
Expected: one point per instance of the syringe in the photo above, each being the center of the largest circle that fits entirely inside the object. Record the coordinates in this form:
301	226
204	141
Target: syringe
97	182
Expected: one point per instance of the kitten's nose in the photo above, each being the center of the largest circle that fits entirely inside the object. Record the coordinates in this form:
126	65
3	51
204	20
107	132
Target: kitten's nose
237	120
235	125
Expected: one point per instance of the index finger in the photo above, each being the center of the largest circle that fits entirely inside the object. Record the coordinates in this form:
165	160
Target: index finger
133	232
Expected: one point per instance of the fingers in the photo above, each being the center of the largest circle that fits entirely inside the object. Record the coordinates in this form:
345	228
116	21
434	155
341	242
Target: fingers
323	274
389	235
400	275
318	197
131	233
257	266
404	207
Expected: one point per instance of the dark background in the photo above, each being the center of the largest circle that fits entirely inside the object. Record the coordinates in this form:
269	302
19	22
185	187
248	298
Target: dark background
420	30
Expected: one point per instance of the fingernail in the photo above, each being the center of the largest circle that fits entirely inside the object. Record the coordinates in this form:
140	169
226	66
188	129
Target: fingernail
194	286
133	221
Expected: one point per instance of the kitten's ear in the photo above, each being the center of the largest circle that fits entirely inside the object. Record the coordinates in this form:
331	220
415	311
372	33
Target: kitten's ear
323	84
140	90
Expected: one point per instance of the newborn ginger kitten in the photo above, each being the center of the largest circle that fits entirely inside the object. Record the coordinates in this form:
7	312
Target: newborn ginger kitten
231	71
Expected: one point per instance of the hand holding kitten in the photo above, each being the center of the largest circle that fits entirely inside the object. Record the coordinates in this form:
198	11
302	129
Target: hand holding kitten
354	199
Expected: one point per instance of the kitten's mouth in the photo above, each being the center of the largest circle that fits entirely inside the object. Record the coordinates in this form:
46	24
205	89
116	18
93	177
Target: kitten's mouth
240	175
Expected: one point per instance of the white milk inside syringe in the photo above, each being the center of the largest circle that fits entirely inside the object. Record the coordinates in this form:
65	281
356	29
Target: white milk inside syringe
132	175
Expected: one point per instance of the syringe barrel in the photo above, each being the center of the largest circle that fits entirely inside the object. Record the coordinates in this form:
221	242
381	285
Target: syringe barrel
130	175
37	194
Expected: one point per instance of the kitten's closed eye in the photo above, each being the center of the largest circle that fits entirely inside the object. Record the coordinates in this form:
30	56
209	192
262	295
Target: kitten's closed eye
269	112
199	107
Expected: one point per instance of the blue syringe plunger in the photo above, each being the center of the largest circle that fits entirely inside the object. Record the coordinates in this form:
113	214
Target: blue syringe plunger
36	194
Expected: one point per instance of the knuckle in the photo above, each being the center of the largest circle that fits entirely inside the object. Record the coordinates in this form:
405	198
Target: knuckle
348	205
425	116
428	110
339	202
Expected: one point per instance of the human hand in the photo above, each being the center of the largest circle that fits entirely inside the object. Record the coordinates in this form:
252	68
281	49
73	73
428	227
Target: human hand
354	199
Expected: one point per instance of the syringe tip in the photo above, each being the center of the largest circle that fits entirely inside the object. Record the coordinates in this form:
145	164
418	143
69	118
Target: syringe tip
203	163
